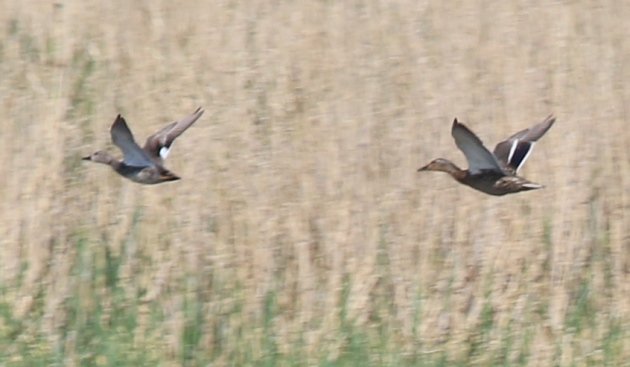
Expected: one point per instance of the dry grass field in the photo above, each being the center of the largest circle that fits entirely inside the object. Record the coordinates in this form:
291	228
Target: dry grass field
301	233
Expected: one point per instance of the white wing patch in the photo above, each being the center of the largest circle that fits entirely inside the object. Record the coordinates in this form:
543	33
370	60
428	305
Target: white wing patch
164	152
512	150
529	151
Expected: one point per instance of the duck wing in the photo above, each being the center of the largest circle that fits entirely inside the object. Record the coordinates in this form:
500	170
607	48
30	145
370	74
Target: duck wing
158	145
123	139
514	151
479	158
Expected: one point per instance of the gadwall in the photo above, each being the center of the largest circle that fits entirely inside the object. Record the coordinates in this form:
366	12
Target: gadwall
144	165
493	173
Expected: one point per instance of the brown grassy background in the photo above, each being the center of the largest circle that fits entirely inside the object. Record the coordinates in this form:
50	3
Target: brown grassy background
300	184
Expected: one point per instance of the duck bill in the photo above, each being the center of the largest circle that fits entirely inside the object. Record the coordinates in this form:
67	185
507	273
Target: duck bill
425	168
88	158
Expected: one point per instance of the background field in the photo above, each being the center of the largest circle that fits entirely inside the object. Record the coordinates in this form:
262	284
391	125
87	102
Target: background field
301	233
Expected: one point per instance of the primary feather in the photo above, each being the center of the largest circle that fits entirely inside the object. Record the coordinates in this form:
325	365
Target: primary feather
479	158
123	139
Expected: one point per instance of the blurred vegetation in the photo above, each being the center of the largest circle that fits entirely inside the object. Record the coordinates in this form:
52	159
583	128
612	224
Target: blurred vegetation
301	233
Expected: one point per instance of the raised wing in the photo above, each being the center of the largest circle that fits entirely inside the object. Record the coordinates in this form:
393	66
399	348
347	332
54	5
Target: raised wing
123	139
478	157
159	144
514	151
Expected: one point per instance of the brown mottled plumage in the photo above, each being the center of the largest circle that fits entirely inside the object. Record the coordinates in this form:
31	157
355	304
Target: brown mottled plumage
140	165
493	174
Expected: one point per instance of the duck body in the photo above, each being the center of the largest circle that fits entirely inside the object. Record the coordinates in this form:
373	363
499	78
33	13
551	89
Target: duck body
492	173
494	183
150	174
143	165
146	175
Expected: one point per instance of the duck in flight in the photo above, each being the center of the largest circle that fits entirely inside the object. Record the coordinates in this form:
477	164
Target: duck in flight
144	165
493	173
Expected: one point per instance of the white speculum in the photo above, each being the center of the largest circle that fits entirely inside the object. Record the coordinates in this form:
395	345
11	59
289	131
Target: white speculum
164	152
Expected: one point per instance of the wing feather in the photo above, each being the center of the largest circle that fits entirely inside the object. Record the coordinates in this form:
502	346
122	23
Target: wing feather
479	158
158	144
123	139
514	151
